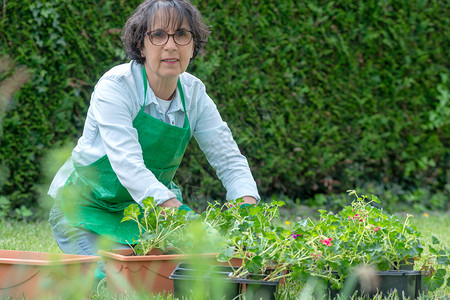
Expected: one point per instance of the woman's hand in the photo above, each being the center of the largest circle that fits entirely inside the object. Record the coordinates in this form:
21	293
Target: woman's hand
173	202
248	200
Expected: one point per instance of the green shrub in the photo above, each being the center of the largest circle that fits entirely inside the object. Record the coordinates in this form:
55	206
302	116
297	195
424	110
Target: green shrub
321	96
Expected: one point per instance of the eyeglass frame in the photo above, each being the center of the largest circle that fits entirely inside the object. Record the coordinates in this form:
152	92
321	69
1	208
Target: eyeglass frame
168	37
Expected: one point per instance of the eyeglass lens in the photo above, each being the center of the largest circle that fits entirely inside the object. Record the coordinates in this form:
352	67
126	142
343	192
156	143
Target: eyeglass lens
160	37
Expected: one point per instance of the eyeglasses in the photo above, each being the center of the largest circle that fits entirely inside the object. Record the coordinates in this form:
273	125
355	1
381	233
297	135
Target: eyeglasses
160	37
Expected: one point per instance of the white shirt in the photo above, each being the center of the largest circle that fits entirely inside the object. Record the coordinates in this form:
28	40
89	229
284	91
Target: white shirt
117	98
164	107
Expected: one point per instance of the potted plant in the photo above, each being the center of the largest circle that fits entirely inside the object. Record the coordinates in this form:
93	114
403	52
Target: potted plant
260	254
333	248
361	234
167	236
263	248
147	266
25	274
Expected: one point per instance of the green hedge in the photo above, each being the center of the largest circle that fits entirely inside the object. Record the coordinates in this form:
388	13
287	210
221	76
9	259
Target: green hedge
321	96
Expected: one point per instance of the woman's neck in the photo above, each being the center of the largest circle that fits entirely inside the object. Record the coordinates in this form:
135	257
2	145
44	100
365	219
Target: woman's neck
163	88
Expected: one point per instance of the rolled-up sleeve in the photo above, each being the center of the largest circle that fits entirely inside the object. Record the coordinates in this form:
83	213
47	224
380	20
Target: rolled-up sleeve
215	139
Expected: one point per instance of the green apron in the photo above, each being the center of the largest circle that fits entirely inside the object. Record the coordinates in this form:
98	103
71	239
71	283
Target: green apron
94	198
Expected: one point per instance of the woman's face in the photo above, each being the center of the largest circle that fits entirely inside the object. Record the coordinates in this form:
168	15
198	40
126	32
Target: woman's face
168	61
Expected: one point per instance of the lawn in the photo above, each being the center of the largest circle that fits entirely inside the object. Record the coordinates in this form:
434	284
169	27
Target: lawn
37	236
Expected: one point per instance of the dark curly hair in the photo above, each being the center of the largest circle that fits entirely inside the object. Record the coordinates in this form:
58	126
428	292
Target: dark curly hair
175	11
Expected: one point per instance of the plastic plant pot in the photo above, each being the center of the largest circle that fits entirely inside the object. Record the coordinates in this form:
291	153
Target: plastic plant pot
216	282
405	282
206	280
32	275
256	288
126	272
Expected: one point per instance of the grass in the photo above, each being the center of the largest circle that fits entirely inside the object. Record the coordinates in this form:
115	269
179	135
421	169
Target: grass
27	236
37	236
434	223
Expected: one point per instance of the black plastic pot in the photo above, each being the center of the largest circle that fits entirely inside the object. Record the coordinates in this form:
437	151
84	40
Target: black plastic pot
218	285
256	288
406	264
405	282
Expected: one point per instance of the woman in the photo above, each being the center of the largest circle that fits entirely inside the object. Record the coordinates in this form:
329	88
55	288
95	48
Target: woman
140	120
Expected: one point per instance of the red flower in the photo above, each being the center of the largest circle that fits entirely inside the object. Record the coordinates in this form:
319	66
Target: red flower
327	242
376	229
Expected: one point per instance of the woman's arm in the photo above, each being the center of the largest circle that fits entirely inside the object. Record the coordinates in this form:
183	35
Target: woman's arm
216	141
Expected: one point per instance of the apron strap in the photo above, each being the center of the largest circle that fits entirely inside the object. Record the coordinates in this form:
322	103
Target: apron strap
182	101
144	78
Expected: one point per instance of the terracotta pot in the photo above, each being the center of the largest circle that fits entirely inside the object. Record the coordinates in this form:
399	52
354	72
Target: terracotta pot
126	272
45	275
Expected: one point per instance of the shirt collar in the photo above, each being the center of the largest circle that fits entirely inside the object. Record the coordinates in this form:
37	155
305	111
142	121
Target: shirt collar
176	105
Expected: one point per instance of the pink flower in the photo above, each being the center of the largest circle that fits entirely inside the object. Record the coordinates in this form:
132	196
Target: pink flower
294	235
327	242
376	229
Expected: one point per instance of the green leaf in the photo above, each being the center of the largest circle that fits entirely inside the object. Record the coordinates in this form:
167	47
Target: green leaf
432	250
443	260
226	254
254	264
375	199
254	210
148	236
131	212
436	281
434	240
383	265
149	202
